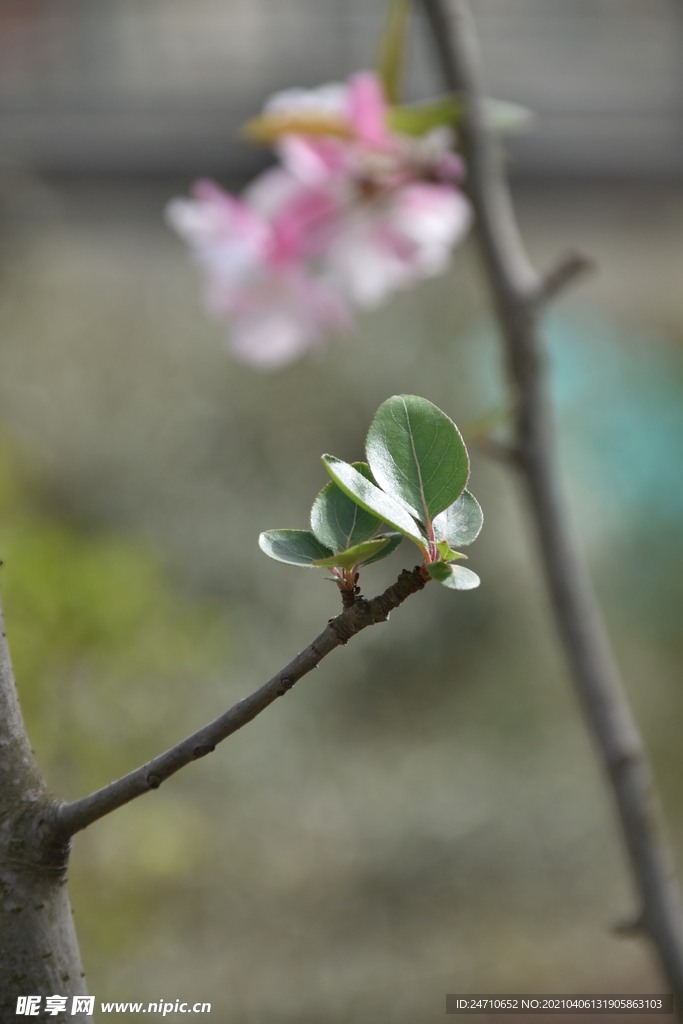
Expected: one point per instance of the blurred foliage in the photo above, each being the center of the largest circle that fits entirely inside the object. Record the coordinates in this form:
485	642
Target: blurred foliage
105	650
108	656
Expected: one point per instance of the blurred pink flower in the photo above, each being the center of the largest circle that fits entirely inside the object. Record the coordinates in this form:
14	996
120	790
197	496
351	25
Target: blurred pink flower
353	212
400	211
255	267
396	239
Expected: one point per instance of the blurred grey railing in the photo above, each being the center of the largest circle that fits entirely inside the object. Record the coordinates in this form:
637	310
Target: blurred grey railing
163	85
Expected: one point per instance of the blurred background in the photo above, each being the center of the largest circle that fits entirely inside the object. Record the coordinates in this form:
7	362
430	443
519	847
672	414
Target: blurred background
427	814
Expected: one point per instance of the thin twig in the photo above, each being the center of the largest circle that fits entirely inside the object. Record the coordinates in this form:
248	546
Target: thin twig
569	268
515	288
73	817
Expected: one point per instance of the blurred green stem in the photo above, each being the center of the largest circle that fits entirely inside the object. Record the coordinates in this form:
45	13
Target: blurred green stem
392	51
518	293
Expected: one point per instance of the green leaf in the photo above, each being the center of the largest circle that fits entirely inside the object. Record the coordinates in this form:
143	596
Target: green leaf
417	455
295	547
461	523
420	118
372	499
507	117
355	555
455	577
338	521
447	554
394	541
391	58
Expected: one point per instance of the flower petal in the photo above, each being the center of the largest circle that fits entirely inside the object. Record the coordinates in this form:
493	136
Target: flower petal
313	160
288	314
367	109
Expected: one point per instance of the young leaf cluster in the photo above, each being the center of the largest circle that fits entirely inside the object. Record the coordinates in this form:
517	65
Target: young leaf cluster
412	485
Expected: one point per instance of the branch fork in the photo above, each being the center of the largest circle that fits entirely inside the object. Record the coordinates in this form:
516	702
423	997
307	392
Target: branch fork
569	268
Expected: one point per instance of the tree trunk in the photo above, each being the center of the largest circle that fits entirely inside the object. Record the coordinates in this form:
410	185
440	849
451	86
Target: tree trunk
38	948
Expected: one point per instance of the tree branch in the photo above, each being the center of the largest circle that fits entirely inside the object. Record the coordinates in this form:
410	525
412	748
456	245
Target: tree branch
516	289
571	266
75	816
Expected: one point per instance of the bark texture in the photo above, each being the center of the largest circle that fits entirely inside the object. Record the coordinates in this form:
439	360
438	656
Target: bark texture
38	948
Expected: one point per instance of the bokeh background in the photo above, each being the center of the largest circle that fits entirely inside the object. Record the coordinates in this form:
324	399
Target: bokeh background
427	814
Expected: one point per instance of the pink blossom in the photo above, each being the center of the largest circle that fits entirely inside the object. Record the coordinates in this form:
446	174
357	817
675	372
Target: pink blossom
399	211
352	212
364	151
396	239
253	254
367	111
284	314
228	239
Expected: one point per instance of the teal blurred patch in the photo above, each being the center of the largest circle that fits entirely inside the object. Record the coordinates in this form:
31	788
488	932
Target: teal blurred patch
618	399
619	403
